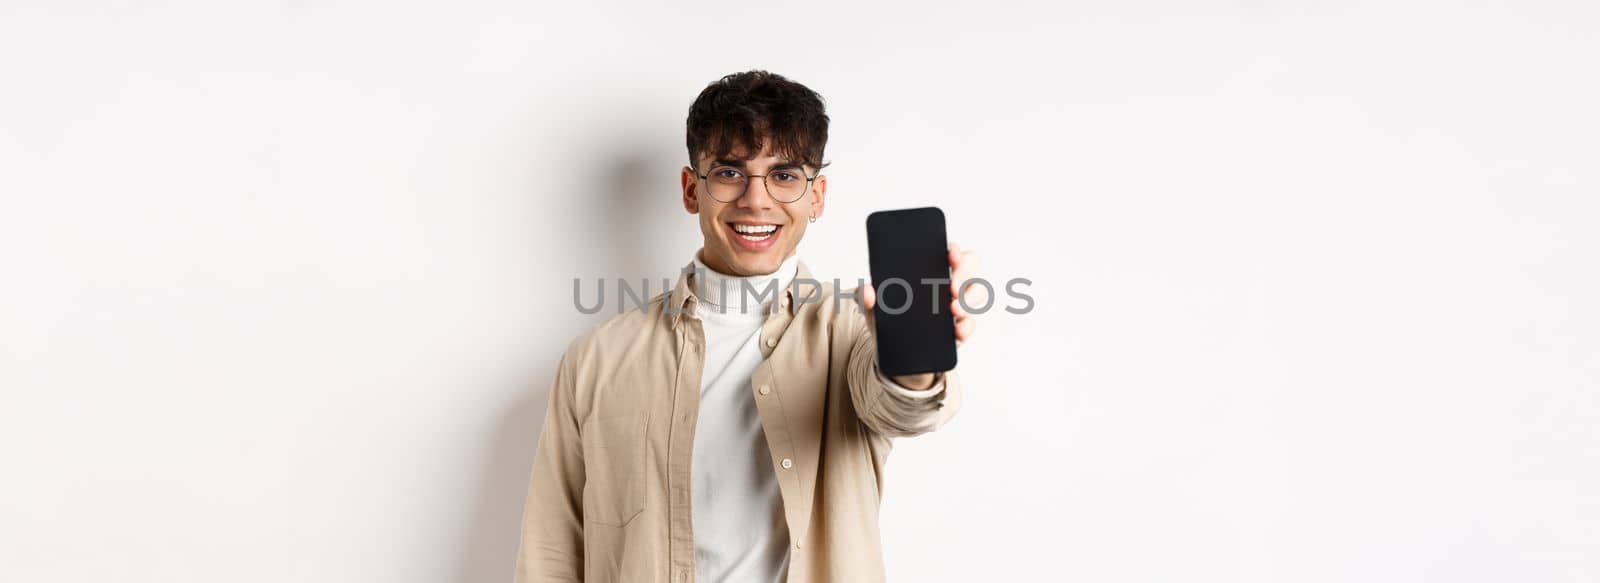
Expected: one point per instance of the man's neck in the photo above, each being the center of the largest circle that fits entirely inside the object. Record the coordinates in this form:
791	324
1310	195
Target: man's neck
726	291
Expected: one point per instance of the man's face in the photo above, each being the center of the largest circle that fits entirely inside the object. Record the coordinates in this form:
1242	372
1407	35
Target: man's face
754	233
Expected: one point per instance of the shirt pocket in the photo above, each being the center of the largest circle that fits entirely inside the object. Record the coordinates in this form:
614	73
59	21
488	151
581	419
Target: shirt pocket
614	468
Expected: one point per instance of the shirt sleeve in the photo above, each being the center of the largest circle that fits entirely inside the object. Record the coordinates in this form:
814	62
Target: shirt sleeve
934	391
885	406
551	546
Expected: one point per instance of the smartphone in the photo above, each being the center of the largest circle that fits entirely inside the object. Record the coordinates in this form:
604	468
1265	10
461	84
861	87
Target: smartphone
910	264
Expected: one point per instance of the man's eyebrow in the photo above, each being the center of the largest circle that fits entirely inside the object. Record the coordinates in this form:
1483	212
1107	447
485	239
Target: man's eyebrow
741	163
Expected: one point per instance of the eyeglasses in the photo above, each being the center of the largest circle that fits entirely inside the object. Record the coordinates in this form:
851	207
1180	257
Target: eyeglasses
785	184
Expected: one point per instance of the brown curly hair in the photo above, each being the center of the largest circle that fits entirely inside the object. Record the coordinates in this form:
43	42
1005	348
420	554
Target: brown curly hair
743	110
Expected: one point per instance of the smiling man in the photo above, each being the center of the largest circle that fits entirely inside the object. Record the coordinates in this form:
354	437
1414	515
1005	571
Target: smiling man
735	429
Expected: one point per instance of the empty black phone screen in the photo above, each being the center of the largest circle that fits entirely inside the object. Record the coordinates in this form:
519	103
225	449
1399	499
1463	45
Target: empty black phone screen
910	267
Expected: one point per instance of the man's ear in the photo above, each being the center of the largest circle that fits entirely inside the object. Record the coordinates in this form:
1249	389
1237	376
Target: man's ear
819	195
691	198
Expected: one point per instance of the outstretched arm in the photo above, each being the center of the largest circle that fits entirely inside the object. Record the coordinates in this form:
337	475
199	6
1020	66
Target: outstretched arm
909	405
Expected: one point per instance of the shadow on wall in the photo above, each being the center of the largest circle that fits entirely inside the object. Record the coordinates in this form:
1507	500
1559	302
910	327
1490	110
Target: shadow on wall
637	229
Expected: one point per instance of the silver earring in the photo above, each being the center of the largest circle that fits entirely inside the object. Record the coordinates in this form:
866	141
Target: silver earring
813	218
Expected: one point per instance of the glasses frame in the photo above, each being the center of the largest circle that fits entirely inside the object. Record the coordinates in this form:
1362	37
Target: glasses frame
809	181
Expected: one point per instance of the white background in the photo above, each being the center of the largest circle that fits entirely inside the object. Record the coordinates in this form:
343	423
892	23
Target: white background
284	282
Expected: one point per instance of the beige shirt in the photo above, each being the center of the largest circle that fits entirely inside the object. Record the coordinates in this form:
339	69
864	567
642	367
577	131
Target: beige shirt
609	499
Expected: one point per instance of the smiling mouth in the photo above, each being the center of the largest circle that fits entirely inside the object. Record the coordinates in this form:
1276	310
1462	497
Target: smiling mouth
755	232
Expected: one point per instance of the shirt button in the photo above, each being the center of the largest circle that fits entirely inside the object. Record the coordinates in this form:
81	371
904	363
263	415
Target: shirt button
797	545
787	463
771	342
766	389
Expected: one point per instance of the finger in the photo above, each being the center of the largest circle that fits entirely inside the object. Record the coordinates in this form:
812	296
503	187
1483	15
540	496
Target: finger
955	299
866	298
963	265
959	277
964	328
967	265
975	295
959	271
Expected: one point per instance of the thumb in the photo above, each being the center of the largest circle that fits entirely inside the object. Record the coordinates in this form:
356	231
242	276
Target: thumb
869	298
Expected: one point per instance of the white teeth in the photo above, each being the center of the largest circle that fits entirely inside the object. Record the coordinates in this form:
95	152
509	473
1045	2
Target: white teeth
755	229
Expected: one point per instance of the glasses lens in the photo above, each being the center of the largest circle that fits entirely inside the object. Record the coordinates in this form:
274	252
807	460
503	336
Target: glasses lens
787	184
725	184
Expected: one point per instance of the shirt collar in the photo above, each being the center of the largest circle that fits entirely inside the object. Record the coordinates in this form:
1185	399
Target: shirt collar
682	301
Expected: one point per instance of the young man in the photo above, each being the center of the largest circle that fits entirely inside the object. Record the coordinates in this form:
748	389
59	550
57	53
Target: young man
734	429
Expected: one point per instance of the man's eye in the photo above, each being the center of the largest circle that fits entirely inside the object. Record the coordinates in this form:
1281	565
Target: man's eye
785	176
726	173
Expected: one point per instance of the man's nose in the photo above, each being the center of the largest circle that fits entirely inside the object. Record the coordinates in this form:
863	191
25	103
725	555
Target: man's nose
753	199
